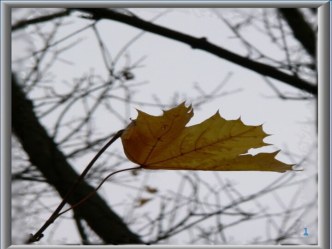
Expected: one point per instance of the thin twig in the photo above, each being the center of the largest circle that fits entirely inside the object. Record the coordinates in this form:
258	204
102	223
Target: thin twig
203	44
96	189
40	19
39	234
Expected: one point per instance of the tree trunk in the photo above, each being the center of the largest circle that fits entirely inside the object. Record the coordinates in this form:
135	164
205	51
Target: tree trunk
46	156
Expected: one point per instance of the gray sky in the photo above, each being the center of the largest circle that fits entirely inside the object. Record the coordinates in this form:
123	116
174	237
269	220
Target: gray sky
173	69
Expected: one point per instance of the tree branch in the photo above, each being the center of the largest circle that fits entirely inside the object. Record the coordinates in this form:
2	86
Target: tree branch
81	230
301	29
203	44
40	19
45	155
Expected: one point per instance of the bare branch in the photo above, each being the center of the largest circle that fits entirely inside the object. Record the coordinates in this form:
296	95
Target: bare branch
203	44
301	29
40	19
45	155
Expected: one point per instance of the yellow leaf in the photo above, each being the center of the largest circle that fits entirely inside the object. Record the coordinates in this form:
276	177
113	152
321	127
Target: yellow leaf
164	142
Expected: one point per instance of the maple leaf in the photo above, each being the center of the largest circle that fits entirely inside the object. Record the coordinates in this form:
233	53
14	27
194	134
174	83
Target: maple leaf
164	142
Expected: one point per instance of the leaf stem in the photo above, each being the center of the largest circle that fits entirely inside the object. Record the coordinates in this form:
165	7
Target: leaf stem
39	234
96	189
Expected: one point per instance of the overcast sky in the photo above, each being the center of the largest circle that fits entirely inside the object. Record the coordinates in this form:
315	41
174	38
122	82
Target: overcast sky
172	73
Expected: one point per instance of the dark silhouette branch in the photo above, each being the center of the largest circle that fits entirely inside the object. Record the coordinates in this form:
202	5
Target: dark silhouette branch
40	19
45	155
301	29
71	191
81	230
203	44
